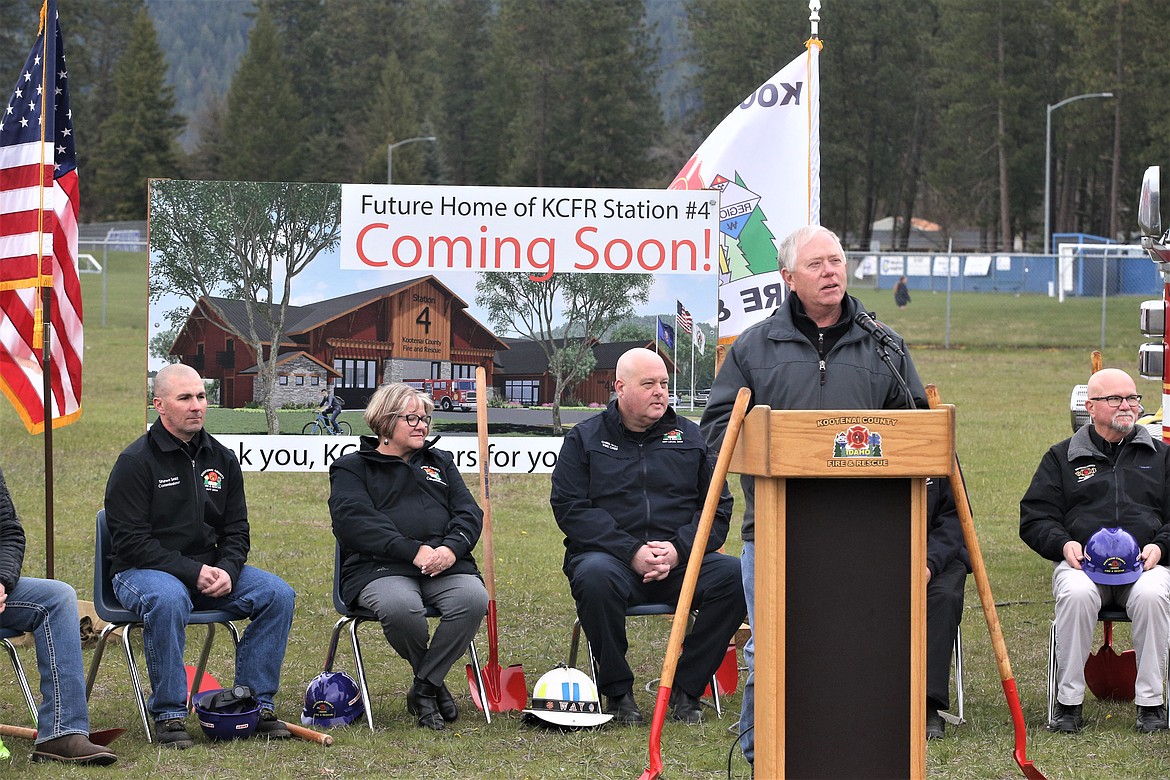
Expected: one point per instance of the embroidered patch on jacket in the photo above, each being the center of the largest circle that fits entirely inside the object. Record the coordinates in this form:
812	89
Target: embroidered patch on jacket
167	482
212	480
432	474
1084	472
672	437
607	445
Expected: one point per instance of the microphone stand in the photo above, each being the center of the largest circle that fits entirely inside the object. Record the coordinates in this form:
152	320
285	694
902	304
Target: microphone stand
885	356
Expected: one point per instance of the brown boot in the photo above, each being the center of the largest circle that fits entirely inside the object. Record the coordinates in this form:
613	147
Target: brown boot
74	749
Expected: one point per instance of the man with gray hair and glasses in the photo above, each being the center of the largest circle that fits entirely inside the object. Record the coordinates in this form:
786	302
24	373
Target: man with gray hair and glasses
1111	478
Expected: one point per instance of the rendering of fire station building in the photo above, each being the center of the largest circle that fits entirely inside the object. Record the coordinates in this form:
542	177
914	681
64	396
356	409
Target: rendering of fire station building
412	330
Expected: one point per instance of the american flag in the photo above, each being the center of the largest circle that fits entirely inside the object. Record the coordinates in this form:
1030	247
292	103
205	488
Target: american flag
38	236
682	318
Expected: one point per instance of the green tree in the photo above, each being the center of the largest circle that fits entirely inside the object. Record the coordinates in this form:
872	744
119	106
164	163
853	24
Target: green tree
574	96
264	127
138	138
462	45
586	305
244	241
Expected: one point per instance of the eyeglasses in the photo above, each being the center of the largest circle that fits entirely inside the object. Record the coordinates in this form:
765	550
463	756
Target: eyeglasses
414	419
1115	400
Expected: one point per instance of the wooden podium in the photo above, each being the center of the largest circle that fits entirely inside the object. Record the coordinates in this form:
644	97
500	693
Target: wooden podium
840	578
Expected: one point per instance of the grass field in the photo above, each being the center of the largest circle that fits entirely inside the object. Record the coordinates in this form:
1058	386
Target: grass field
1010	372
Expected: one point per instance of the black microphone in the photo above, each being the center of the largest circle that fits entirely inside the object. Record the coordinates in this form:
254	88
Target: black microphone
870	326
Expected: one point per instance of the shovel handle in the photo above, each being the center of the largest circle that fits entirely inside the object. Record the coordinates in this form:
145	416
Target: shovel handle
485	500
983	585
682	610
17	731
300	732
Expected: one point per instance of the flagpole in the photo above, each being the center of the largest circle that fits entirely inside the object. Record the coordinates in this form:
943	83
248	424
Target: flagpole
695	325
46	299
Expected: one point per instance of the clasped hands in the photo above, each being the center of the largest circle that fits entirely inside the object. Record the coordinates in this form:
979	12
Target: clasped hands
213	582
433	561
654	560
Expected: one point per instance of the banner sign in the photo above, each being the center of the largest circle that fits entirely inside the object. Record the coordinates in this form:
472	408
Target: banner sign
507	454
538	231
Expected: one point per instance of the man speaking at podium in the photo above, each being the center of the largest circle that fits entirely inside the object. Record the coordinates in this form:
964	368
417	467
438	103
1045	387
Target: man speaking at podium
820	349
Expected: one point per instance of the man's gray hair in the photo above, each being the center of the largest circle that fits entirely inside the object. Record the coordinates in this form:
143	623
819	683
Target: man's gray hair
798	238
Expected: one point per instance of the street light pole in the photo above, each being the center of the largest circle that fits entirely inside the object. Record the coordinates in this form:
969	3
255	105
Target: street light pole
390	154
1048	161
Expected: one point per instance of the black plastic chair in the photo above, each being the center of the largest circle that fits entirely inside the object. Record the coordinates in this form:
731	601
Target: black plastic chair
351	618
109	609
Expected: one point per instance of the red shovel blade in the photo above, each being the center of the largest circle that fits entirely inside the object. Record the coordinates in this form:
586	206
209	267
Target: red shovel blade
727	675
1111	676
105	736
206	683
506	688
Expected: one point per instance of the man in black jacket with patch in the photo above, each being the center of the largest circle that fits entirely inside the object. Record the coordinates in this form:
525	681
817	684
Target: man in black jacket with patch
180	537
628	491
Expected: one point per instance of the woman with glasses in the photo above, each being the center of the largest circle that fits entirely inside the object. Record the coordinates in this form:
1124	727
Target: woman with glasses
407	524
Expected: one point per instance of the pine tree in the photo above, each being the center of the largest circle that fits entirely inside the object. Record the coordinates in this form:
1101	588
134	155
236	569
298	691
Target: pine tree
138	136
264	127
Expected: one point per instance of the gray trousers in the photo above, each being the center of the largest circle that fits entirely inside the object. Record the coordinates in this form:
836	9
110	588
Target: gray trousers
400	604
1078	599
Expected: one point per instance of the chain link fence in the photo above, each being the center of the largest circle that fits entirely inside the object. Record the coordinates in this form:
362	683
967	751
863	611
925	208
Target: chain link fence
95	243
1085	296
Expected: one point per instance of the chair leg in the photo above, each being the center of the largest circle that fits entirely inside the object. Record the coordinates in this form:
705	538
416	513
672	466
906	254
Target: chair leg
474	656
136	681
22	680
360	668
1052	671
959	672
574	643
331	653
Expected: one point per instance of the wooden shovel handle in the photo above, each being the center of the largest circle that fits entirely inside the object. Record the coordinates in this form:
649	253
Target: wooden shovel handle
682	611
485	499
300	732
982	584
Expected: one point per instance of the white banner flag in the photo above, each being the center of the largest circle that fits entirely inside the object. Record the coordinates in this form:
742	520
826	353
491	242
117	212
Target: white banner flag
764	157
700	339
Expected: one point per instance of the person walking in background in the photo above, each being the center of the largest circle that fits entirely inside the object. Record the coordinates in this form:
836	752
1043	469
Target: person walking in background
407	524
901	293
180	536
809	354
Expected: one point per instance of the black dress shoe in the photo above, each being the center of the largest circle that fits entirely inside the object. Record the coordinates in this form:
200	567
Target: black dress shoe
685	708
624	709
935	725
1151	719
1066	718
421	700
447	707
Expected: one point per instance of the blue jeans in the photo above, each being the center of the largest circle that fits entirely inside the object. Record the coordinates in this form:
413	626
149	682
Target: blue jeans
48	608
165	605
747	713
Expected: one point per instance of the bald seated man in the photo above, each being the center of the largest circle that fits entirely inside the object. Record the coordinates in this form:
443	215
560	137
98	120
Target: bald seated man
1111	474
627	492
180	536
